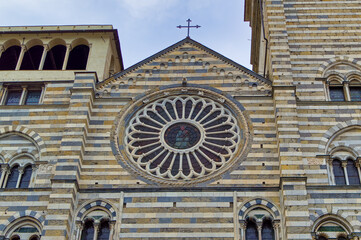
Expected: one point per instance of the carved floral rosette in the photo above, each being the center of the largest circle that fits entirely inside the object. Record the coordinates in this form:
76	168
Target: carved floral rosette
181	136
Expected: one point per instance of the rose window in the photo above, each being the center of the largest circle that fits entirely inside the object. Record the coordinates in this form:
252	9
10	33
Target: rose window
182	138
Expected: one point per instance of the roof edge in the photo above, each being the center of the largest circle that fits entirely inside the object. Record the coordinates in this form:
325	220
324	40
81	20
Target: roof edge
170	48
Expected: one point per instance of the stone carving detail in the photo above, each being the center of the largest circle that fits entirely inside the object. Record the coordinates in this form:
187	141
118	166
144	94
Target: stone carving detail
181	138
45	168
184	137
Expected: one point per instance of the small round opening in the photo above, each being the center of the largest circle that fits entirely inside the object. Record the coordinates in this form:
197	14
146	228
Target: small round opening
182	135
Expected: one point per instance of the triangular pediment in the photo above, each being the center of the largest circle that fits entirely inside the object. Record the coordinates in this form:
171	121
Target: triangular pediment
188	60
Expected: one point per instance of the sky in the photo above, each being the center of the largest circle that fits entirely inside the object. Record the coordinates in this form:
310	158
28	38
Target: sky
145	27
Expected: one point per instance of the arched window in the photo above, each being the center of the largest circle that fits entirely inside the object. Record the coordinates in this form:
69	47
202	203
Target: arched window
353	177
55	58
10	58
331	227
338	172
26	177
78	58
13	177
268	232
26	232
104	230
251	231
32	58
355	90
88	230
336	91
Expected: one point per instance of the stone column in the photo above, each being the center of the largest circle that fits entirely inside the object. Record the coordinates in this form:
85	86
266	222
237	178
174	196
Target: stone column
33	175
276	227
346	90
23	95
4	169
96	230
331	176
68	49
79	229
243	227
259	228
21	172
21	56
111	229
2	49
7	173
358	165
43	57
344	167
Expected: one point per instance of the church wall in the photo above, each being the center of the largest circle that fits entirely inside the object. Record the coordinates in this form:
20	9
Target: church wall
317	32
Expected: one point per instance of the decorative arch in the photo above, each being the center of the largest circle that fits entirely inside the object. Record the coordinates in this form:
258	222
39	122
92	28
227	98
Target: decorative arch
55	42
79	41
10	43
14	159
27	133
260	203
321	218
337	60
94	204
33	42
354	76
335	77
334	131
27	216
345	148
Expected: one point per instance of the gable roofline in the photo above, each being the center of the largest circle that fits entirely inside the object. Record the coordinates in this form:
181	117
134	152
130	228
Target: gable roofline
176	45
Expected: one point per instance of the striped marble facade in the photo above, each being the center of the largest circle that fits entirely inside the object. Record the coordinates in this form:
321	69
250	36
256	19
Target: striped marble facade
287	177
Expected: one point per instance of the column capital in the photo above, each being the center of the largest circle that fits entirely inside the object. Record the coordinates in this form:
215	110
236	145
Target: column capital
46	47
79	225
4	167
243	224
344	163
276	223
34	167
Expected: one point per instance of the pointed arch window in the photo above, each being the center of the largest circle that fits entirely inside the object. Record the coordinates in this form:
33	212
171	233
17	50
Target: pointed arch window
13	177
88	230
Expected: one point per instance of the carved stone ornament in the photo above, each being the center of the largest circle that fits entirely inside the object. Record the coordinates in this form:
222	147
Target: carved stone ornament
181	138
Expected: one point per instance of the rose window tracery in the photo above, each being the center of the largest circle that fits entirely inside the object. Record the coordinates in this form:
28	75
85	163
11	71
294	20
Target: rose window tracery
182	138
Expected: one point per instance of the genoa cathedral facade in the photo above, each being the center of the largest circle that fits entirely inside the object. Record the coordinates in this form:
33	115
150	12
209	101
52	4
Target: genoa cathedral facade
186	144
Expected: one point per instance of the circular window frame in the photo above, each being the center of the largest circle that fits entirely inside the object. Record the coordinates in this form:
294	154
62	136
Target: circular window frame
131	109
